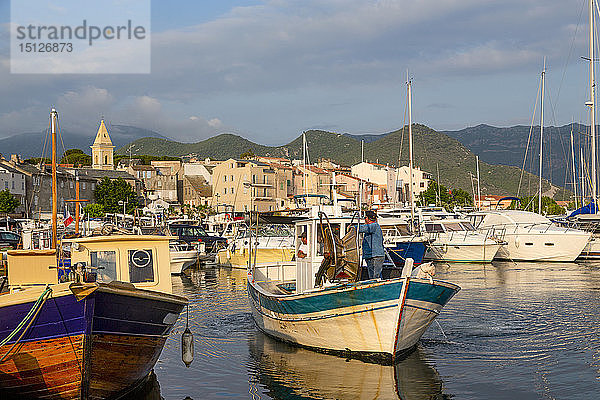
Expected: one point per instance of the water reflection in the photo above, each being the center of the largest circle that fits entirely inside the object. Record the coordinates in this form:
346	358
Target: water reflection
515	330
290	372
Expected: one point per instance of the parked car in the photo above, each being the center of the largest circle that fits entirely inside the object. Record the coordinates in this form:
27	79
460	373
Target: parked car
194	234
9	240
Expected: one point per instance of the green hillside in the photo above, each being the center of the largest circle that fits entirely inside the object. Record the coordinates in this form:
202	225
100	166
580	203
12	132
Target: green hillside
431	150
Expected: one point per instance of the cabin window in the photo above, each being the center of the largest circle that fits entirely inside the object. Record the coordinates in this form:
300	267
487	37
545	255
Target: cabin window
528	244
106	262
141	266
453	227
436	228
549	244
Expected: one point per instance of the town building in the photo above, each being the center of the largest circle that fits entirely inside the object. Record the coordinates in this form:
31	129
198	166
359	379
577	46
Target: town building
245	185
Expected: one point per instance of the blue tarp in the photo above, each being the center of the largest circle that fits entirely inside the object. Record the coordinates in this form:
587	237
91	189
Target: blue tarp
587	209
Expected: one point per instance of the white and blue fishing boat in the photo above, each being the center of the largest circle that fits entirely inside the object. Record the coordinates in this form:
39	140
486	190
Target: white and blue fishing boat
318	302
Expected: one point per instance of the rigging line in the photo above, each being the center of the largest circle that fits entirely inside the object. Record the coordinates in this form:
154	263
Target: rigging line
564	72
529	137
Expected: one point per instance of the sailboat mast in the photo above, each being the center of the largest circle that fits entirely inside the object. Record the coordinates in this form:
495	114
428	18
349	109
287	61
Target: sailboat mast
541	136
573	167
592	106
54	119
410	152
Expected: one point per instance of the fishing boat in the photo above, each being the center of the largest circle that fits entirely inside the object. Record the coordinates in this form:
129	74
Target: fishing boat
319	302
91	331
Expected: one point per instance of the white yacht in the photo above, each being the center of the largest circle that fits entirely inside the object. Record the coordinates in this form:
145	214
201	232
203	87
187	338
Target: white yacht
457	240
530	236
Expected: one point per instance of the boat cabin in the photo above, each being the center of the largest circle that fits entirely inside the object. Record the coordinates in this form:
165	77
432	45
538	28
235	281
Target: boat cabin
142	260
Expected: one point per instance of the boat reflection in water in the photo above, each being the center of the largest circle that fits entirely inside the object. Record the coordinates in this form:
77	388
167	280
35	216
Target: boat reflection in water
288	371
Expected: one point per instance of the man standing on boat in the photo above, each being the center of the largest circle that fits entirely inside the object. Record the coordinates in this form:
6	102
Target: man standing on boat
372	245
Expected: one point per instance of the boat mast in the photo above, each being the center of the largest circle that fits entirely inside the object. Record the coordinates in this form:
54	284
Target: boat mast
591	103
304	166
541	136
54	118
478	186
410	153
573	167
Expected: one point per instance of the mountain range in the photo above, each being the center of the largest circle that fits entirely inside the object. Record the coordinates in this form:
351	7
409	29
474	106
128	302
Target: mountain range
433	151
449	154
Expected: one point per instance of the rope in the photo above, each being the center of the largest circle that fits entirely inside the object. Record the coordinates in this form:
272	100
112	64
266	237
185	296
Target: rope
28	319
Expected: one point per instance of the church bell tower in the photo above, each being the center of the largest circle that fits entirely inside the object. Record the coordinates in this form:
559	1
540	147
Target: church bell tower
102	149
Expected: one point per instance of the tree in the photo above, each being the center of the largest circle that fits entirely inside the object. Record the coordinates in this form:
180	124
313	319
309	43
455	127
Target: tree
461	197
109	192
94	210
76	157
8	202
435	195
549	206
247	155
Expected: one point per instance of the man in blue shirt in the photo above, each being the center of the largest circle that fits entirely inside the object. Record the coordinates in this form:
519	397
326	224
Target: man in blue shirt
372	245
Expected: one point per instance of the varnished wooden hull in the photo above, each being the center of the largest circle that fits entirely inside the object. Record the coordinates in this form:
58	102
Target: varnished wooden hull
96	348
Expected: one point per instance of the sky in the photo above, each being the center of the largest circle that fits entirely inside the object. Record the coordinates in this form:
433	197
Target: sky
268	70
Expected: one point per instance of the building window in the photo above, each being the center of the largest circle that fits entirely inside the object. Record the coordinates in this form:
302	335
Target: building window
83	185
105	160
422	184
62	184
93	186
231	190
22	185
13	184
71	184
225	191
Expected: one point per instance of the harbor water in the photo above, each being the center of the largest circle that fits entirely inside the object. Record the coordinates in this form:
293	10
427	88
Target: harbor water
514	331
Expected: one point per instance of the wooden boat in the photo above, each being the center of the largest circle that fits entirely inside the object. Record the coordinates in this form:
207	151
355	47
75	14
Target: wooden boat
93	337
318	302
93	330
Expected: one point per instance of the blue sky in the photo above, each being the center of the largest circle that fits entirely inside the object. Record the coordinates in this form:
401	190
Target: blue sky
268	70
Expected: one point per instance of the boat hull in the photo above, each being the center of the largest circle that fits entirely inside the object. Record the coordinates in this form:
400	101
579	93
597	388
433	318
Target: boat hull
401	250
95	348
374	320
557	247
181	260
461	252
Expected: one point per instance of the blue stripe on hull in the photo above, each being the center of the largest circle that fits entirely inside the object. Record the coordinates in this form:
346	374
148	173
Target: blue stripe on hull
132	315
437	294
59	317
359	294
100	312
332	299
